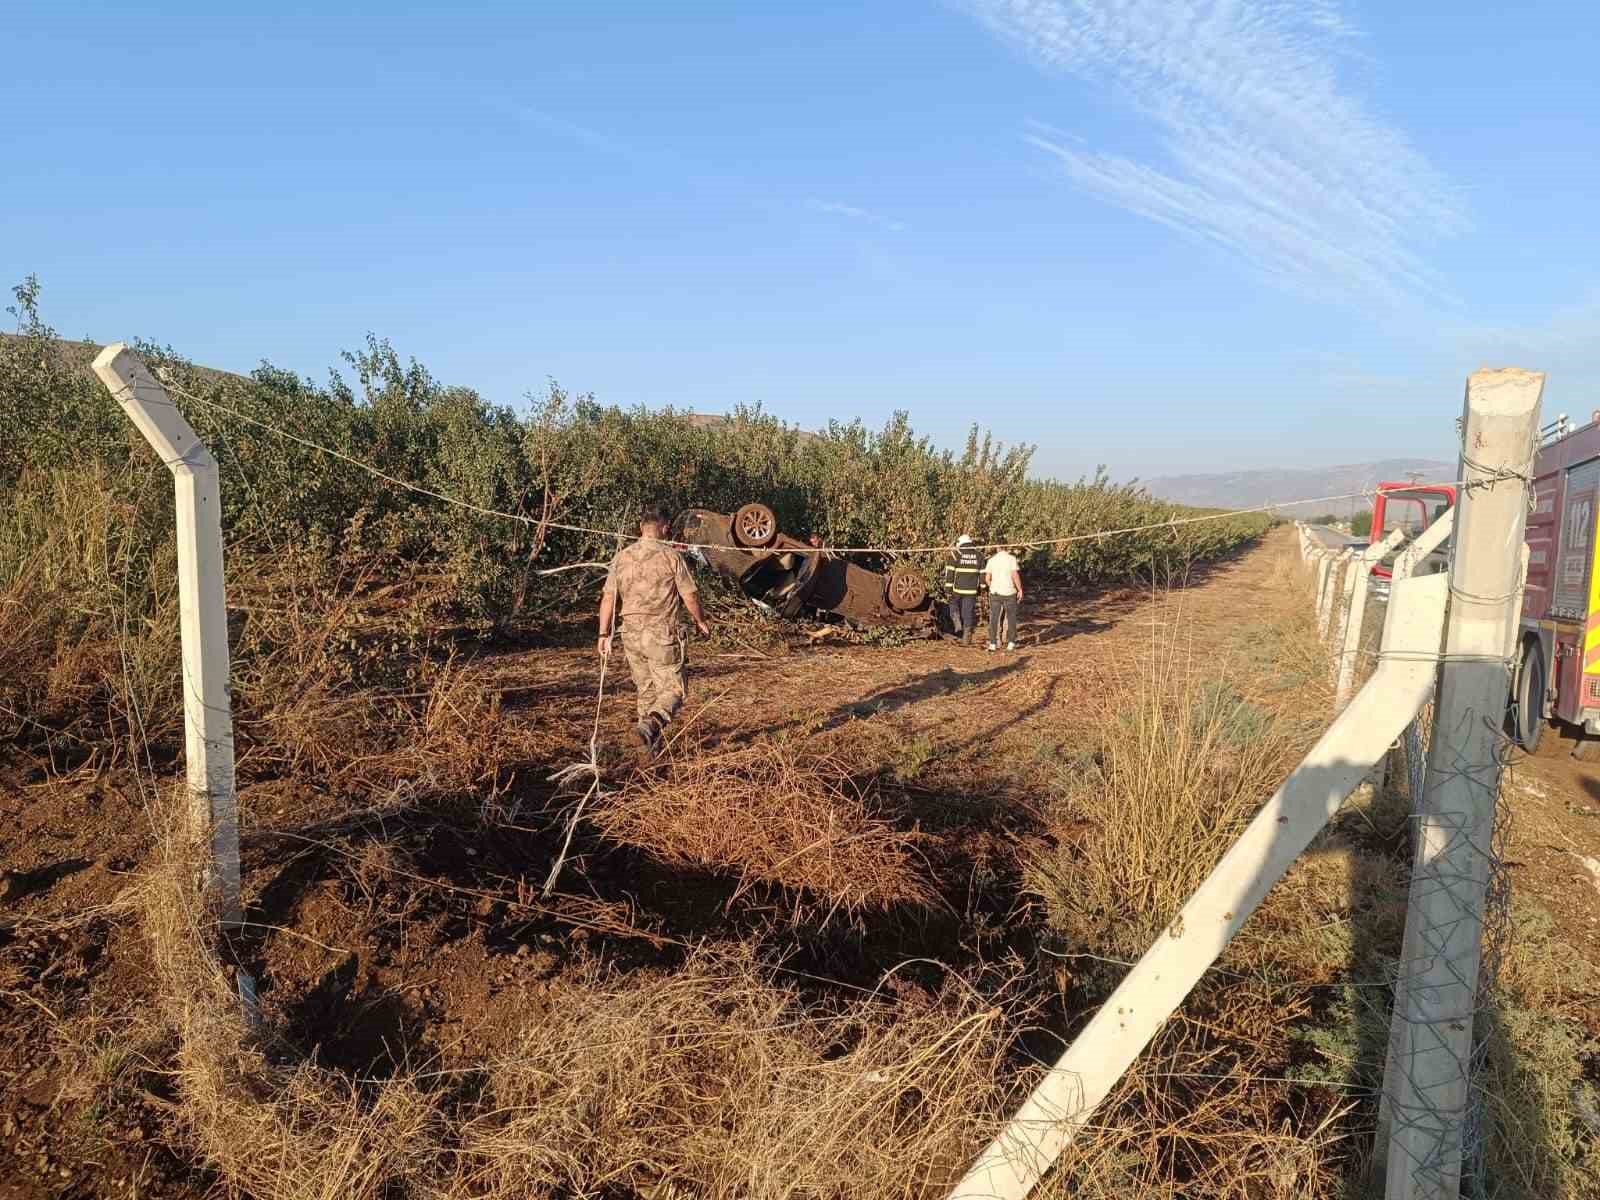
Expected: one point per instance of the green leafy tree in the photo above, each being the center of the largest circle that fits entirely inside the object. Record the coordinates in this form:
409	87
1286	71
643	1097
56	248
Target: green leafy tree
561	461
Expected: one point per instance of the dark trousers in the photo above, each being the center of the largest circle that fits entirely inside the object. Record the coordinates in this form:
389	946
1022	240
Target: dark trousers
964	613
1002	607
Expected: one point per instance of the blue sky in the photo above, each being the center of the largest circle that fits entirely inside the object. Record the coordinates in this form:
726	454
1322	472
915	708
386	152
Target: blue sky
1168	235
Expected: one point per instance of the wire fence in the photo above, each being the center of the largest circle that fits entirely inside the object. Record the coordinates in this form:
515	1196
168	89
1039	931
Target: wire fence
1456	1142
1493	913
623	537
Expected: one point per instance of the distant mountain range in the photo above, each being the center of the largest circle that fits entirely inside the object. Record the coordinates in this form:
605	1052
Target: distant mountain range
1246	489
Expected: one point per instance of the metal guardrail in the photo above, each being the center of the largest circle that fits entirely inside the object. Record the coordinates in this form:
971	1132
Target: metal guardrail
1555	430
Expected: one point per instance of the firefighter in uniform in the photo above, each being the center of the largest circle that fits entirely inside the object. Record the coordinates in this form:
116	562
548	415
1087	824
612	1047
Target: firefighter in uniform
649	586
961	576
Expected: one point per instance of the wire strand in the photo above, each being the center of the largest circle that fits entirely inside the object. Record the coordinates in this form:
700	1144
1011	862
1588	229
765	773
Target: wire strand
1032	544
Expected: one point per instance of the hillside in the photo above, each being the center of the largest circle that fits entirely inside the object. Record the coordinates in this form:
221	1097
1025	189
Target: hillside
1244	489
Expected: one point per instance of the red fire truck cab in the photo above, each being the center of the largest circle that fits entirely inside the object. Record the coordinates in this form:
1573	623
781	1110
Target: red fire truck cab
1410	507
1558	654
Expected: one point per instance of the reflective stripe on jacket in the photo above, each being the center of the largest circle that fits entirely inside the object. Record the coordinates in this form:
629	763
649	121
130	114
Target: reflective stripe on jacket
963	572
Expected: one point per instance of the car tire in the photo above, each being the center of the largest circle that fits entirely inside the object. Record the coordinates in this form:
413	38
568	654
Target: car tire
906	589
1530	698
755	526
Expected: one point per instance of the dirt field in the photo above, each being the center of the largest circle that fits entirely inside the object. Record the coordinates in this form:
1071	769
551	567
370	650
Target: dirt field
393	936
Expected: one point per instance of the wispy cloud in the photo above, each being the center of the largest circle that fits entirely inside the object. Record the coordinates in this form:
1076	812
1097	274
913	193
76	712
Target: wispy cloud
1574	328
571	131
1566	344
834	208
1265	153
594	140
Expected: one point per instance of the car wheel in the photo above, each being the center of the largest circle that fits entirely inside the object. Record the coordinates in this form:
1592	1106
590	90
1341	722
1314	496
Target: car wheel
755	526
1530	698
906	589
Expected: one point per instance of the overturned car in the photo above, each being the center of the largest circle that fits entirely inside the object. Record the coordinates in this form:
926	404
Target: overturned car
793	578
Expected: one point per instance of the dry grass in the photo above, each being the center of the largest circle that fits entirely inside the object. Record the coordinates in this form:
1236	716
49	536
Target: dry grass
1181	761
272	1131
1534	1087
332	649
713	1078
1205	1111
352	683
772	813
89	608
716	1081
1189	743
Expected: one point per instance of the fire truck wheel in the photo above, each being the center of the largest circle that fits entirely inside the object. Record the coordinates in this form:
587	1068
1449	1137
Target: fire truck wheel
1530	698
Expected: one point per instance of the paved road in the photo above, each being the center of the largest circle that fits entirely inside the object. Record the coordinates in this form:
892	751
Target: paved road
1333	538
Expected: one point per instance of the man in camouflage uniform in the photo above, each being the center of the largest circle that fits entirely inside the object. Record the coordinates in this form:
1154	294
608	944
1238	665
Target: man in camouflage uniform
649	585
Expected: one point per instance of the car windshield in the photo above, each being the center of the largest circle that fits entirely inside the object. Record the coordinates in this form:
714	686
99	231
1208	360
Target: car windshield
1411	512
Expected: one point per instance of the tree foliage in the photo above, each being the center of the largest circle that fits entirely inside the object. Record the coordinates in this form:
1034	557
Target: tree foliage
563	458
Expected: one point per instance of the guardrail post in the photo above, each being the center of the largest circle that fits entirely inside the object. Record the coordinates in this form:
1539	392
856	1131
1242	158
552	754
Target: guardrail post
203	619
1152	990
1427	1091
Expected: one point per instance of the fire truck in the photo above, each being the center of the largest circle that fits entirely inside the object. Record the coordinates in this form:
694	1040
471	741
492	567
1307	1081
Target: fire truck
1557	664
1411	508
1558	661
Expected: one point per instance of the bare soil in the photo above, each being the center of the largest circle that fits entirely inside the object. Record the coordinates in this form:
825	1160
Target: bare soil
1553	847
419	935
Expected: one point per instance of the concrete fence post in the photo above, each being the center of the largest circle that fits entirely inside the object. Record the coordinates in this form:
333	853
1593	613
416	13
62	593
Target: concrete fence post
1406	564
1339	606
1153	989
1327	591
1429	540
1356	588
202	618
1340	616
1427	1091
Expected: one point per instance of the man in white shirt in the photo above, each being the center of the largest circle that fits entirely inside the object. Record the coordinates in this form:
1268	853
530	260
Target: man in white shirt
1004	577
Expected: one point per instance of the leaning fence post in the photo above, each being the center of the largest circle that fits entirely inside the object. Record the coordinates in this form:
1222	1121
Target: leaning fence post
1428	1092
1025	1150
202	619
